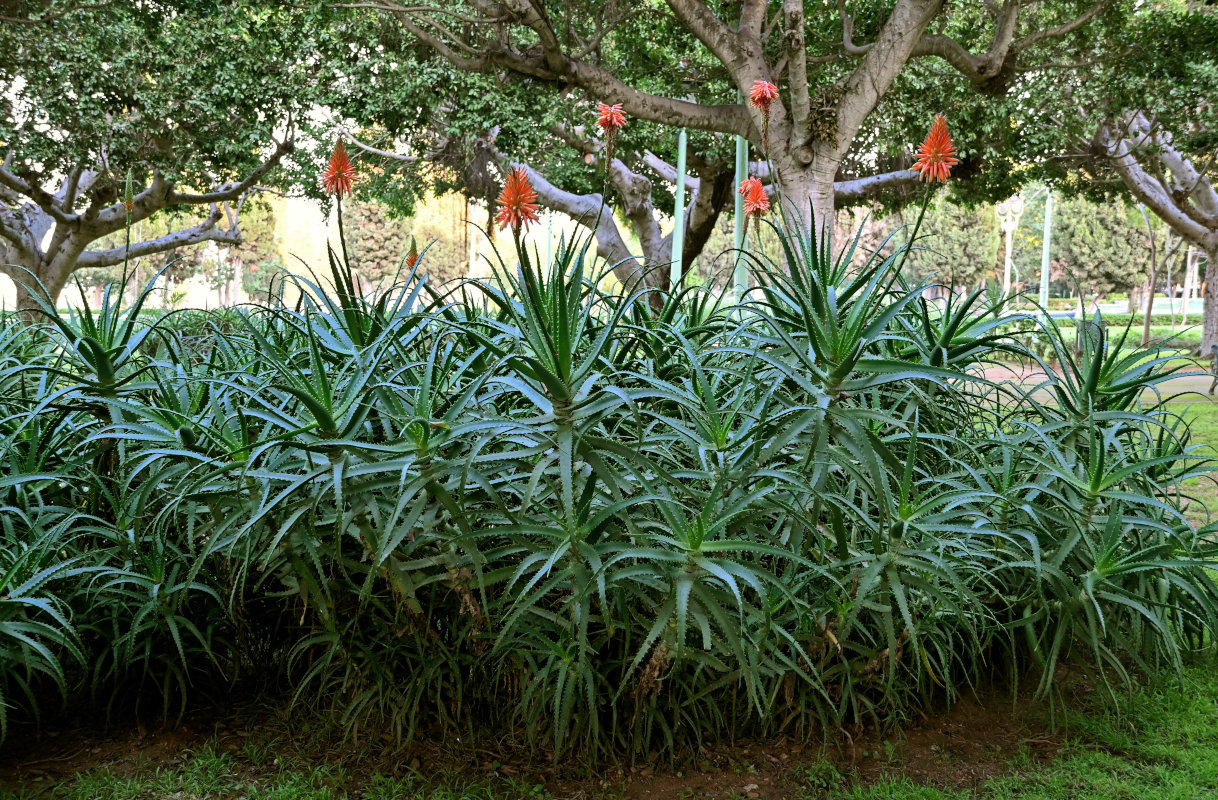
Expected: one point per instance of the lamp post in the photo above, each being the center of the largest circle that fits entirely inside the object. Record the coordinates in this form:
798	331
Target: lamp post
678	215
740	274
1044	253
1009	212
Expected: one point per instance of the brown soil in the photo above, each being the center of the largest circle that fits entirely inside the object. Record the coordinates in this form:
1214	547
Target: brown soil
962	748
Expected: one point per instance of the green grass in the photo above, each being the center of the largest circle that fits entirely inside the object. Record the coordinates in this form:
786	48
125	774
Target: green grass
208	775
1202	415
1156	745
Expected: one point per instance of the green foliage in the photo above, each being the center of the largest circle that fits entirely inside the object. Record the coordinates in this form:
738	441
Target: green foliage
195	90
1100	247
607	523
960	248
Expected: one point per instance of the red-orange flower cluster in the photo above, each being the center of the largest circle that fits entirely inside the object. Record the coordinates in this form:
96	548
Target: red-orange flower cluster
339	174
610	117
517	202
763	96
755	201
937	155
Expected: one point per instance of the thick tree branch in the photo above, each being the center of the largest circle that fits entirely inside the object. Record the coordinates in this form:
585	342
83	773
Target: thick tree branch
848	32
1004	46
9	231
667	171
41	197
1148	190
369	149
860	188
752	19
709	29
881	64
532	14
712	197
233	190
797	55
160	195
846	191
590	211
204	231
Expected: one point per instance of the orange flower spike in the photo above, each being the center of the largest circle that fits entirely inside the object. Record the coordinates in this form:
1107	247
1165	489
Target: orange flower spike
937	155
339	174
756	202
517	202
763	96
610	118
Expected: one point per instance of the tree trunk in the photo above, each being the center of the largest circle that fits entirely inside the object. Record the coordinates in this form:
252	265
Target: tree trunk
53	282
1209	327
808	194
805	188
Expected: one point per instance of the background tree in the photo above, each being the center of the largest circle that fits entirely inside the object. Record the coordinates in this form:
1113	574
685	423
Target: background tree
115	112
959	245
381	240
685	63
1100	247
1139	121
255	260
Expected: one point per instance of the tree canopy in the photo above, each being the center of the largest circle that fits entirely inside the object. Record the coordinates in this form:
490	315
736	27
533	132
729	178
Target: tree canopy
112	113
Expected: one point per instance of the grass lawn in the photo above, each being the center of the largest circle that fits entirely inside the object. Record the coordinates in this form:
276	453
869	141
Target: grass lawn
1156	743
1203	416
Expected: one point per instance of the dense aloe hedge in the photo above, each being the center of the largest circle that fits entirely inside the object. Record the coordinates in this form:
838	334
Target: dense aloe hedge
601	522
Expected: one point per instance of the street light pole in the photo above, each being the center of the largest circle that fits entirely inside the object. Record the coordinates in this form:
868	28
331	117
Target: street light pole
740	276
1044	253
678	216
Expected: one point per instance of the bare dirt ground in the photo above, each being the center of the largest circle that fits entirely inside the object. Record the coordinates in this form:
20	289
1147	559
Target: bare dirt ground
974	741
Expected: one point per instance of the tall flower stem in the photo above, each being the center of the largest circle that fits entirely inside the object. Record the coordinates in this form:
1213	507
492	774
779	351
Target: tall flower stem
917	226
342	234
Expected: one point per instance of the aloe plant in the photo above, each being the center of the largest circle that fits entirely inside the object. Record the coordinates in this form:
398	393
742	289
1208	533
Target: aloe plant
616	522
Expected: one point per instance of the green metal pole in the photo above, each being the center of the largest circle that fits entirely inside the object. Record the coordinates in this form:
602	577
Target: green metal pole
740	277
678	214
1044	253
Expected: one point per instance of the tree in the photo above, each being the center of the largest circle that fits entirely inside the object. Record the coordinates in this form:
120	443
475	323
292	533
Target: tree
1142	124
380	242
254	261
833	70
116	112
958	246
1100	247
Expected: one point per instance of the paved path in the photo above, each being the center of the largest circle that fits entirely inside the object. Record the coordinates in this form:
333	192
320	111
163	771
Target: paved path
1196	387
